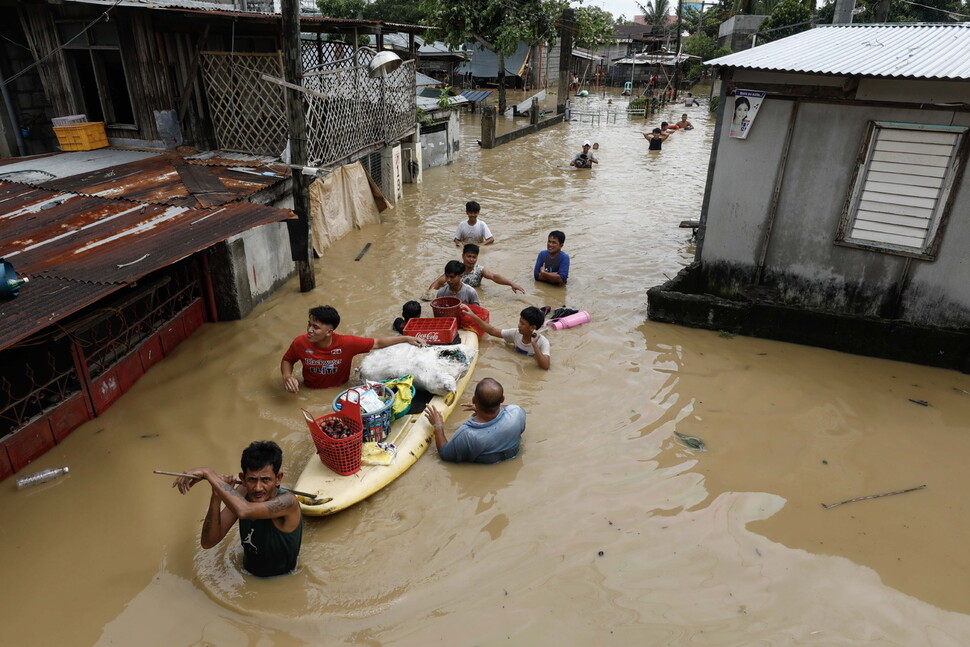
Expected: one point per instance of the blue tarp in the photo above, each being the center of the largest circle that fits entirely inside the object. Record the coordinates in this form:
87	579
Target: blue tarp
484	63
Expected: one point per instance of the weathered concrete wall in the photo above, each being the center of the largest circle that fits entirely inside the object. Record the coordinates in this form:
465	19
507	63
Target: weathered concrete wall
803	266
442	146
392	179
247	268
684	300
505	138
735	32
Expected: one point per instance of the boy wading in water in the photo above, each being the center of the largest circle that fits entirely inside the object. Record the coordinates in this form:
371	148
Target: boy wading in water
474	273
473	230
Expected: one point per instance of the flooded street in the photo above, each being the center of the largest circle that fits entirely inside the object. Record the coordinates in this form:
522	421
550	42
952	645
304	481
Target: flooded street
606	530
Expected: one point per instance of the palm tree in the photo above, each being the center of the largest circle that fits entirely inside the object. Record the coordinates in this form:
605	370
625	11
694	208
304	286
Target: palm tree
656	13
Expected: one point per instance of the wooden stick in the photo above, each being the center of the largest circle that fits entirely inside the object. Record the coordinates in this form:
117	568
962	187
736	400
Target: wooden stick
317	499
872	496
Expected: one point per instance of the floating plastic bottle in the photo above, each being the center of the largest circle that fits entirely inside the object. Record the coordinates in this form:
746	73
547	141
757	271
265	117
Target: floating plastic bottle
580	317
40	477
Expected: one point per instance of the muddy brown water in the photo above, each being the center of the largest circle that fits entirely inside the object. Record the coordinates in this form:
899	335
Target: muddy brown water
607	529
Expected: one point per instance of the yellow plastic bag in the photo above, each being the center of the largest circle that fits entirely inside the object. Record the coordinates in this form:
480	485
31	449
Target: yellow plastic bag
404	392
377	453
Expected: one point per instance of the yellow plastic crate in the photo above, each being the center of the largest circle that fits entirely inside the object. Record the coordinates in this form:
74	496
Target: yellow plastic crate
82	137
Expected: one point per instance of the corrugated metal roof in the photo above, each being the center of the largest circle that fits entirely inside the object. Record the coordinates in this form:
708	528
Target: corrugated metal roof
423	79
476	95
307	23
77	249
896	50
164	180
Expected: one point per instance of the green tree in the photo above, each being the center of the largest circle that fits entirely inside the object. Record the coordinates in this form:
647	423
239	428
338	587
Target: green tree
408	12
657	13
346	9
709	22
705	47
594	27
782	19
497	25
900	11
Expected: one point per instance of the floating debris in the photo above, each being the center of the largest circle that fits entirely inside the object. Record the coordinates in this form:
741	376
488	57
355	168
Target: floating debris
922	403
872	496
692	441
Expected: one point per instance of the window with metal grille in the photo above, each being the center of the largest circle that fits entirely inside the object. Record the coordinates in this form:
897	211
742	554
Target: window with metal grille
372	163
900	198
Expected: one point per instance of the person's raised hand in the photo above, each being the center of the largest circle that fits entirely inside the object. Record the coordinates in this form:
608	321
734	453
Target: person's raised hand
185	483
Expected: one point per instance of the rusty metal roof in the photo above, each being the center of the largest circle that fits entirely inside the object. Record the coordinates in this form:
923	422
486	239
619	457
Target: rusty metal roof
893	50
78	248
171	181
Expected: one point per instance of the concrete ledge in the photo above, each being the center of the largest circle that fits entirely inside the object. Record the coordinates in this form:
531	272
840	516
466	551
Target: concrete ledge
682	301
528	130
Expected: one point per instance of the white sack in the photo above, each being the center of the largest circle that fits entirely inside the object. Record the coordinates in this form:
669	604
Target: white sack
431	371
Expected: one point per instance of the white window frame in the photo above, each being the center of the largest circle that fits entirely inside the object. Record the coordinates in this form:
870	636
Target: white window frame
902	187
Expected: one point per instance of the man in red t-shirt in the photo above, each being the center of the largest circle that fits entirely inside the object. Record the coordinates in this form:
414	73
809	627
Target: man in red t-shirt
326	356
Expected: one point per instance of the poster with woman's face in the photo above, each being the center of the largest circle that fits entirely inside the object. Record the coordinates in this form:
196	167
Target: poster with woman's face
746	106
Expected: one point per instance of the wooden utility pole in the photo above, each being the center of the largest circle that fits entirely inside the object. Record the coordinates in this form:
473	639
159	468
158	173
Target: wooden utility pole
301	246
567	23
680	14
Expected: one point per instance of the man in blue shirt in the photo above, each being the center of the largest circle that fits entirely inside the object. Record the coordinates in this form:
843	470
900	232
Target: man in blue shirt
552	264
491	435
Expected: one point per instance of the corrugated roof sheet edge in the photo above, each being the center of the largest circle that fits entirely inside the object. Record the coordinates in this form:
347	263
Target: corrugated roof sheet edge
913	51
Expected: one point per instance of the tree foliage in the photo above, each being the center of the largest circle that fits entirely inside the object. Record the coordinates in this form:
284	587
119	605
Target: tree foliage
782	19
709	22
345	9
497	25
900	11
657	13
408	12
594	27
702	45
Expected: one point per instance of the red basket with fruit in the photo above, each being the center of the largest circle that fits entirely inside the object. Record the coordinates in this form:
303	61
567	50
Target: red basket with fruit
338	437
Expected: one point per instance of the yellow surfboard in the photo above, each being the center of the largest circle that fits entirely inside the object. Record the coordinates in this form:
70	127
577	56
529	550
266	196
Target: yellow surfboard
411	435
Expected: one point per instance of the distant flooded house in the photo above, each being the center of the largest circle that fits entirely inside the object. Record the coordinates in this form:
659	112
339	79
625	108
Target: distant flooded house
835	212
175	212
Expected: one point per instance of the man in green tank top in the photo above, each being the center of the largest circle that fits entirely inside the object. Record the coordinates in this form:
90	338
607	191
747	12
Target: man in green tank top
270	521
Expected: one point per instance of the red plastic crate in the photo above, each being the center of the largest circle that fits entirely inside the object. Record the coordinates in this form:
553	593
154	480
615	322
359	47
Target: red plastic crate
440	330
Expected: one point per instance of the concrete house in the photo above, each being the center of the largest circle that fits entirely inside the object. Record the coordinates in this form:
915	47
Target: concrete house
837	202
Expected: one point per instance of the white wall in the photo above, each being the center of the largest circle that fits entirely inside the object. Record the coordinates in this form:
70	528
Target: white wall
808	267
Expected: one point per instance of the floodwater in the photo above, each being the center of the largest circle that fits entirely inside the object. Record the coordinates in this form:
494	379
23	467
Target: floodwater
606	530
